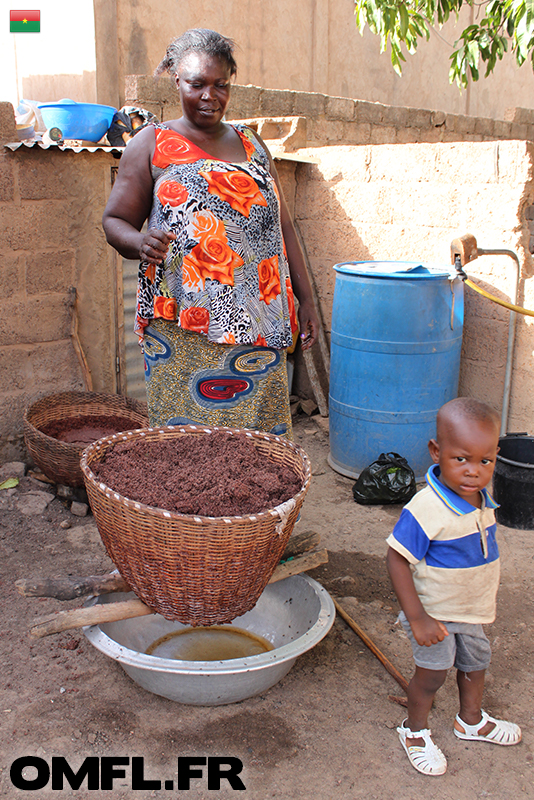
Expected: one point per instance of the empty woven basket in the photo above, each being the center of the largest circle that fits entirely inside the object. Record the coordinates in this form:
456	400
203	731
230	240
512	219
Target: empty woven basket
198	570
60	461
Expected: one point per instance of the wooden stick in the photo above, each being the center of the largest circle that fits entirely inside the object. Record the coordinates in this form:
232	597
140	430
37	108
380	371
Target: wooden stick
299	564
78	617
393	671
77	586
316	386
402	701
71	588
127	609
301	543
78	349
320	397
323	345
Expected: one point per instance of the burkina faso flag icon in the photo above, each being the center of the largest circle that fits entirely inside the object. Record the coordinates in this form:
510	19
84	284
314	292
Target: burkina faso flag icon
25	21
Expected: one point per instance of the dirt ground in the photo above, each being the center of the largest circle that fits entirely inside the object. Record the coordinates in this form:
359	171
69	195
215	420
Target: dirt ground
327	730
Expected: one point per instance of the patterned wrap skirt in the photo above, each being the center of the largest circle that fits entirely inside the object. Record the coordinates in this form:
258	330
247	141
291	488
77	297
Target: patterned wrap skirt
192	380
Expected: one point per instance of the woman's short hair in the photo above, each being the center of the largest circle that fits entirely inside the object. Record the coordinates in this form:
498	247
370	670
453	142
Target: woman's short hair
201	40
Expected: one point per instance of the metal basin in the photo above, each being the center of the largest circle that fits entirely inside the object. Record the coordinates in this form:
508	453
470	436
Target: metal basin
293	615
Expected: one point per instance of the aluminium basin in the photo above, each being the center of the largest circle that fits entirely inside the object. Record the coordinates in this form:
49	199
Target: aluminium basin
293	615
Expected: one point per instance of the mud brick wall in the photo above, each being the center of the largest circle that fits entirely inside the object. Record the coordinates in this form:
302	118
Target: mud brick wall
340	120
358	202
51	239
408	202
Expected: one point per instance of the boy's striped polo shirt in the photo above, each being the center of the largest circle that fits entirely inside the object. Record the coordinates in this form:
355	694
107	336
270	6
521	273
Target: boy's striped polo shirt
452	549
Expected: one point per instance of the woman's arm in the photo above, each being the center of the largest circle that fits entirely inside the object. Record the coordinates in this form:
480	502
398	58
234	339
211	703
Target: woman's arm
130	202
308	319
425	628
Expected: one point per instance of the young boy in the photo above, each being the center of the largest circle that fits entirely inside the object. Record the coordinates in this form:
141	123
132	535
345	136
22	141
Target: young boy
443	562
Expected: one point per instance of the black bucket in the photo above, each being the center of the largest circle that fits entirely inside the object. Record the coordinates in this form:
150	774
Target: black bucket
513	481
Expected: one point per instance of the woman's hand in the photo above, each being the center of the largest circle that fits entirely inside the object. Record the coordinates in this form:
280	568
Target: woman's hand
308	323
155	245
427	630
130	202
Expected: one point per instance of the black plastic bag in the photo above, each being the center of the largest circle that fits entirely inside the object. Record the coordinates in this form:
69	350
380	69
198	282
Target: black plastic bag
389	479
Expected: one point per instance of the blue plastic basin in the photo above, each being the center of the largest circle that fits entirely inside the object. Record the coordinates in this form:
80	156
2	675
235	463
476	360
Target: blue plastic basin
88	121
396	342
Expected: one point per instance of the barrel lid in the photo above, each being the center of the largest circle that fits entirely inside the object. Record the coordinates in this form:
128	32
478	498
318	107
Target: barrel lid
395	269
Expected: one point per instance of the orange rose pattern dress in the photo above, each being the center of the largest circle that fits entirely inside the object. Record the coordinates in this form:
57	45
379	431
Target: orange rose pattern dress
217	316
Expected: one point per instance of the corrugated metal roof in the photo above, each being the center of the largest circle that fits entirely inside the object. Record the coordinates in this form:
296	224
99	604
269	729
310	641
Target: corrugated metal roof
77	148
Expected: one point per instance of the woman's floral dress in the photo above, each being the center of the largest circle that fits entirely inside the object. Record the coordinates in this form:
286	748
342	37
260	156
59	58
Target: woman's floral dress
226	275
216	318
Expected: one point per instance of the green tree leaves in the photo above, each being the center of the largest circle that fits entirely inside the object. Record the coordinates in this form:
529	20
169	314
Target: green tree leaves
498	26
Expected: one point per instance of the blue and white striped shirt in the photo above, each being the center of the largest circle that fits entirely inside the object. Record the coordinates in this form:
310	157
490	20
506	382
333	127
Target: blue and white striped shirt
452	548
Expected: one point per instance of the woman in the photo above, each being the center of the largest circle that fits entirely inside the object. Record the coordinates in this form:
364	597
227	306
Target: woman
220	259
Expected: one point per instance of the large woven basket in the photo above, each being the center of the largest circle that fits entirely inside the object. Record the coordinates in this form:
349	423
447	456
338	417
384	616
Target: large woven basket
60	461
198	570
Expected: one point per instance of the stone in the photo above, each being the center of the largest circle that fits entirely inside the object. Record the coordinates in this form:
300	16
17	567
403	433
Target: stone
323	423
294	408
308	406
65	491
79	509
83	536
34	503
13	469
438	118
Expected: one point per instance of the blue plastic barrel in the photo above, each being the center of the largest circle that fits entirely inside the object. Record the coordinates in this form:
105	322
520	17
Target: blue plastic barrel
395	359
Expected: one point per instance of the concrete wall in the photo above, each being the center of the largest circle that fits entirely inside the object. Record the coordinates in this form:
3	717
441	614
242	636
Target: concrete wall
408	202
339	120
81	88
302	45
51	239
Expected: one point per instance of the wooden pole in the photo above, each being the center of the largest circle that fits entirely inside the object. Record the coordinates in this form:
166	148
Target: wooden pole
71	588
393	671
78	617
78	349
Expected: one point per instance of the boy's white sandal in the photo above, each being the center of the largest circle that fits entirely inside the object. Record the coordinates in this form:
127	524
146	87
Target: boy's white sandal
505	733
427	758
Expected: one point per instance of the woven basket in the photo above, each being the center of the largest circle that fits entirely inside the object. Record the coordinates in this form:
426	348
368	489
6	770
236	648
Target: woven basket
198	570
60	461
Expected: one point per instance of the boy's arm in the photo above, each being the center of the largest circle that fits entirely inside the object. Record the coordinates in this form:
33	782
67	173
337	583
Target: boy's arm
426	629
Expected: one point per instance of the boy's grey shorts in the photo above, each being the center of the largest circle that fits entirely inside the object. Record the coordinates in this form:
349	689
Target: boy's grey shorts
466	647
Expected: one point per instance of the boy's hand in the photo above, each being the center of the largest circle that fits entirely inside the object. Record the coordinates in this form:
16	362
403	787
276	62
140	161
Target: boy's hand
428	631
425	628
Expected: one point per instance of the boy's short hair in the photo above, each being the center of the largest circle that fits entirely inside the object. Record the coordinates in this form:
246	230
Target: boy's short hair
465	408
